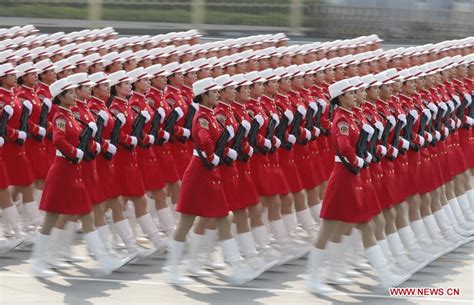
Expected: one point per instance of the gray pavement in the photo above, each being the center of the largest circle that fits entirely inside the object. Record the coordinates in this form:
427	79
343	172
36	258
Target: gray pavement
143	283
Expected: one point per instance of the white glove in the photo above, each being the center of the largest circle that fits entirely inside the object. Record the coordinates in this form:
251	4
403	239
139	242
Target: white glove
267	144
405	144
433	108
179	111
277	142
186	133
48	103
403	118
22	135
291	139
383	150
446	131
451	105
427	113
97	148
422	141
195	105
301	110
41	131
9	110
162	113
307	134
246	125
230	129
369	130
104	115
414	114
368	159
215	160
289	115
2	141
259	119
391	119
79	154
232	154
27	104
458	123
437	135
468	98
322	103
250	154
443	107
121	118
379	127
452	123
134	141
276	118
360	162
469	121
151	139
429	137
112	149
93	126
395	152
166	136
146	114
457	100
313	106
318	131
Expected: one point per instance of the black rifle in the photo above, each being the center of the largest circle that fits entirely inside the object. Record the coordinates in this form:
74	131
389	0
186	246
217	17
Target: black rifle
237	145
155	124
361	146
373	145
280	132
396	136
446	118
346	164
137	130
317	123
269	133
3	124
408	130
170	123
114	138
421	131
386	132
84	139
295	127
462	109
310	121
25	113
252	136
100	129
188	121
470	113
43	121
221	144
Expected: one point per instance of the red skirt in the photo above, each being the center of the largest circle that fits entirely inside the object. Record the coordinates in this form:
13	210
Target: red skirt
107	177
402	172
289	168
262	175
167	163
201	192
344	197
230	183
413	179
129	178
317	160
181	155
382	188
51	149
370	192
4	181
390	179
91	179
305	166
249	197
280	180
64	189
150	169
17	164
39	157
328	155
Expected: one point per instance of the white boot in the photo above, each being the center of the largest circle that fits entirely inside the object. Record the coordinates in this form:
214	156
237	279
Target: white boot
453	203
69	238
270	254
12	218
422	235
212	261
386	276
315	211
196	256
336	255
470	196
307	222
387	253
173	261
33	213
437	235
134	250
454	222
360	262
316	283
166	220
447	229
409	240
149	228
248	249
241	272
9	244
107	263
466	208
400	256
56	243
294	249
39	267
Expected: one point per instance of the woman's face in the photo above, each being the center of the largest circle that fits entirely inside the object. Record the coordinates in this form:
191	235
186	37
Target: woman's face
159	82
124	89
212	98
9	80
308	80
373	92
329	75
244	93
190	78
284	84
297	82
271	87
347	100
142	85
30	79
102	91
67	99
228	94
176	80
409	87
83	93
257	89
360	96
48	77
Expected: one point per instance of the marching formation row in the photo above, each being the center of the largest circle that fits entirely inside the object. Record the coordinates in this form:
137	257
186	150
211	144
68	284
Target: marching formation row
339	149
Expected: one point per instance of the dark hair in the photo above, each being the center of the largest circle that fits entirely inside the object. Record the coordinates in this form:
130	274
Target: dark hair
133	86
238	88
20	80
198	99
113	90
334	101
56	99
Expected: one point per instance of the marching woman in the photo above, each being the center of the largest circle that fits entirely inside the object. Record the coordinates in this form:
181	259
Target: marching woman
150	167
344	203
18	166
107	173
202	193
125	160
35	146
65	191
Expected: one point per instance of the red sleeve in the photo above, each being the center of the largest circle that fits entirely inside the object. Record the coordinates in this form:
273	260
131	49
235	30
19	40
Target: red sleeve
343	143
59	137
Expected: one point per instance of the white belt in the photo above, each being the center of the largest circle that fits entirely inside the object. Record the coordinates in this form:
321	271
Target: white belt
337	159
59	154
195	153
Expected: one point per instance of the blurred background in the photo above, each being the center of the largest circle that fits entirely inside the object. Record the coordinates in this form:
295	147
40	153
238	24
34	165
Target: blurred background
399	21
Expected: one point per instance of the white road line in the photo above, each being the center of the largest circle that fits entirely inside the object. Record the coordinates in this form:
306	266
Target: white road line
226	287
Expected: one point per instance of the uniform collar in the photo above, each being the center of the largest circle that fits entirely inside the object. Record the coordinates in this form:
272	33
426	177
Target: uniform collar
206	109
171	88
238	104
28	88
121	99
153	89
4	89
139	94
224	105
98	99
65	110
345	111
81	102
